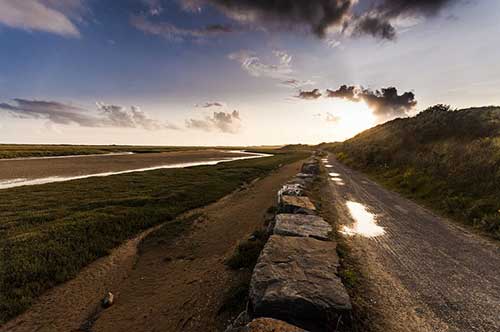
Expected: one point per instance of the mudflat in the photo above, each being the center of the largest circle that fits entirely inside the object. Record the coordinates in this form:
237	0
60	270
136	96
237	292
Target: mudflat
85	165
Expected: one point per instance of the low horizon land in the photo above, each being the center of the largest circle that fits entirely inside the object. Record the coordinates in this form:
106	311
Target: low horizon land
145	148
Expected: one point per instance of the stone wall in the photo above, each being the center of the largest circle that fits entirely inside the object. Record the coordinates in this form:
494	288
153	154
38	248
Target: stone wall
295	282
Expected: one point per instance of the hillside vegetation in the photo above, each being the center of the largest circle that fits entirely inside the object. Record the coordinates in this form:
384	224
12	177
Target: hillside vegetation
447	159
49	232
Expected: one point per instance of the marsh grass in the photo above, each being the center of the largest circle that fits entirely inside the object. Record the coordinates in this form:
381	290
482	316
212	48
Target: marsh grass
29	150
49	232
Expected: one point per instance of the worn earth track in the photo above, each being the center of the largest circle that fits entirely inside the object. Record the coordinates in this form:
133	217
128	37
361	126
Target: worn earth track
181	287
424	273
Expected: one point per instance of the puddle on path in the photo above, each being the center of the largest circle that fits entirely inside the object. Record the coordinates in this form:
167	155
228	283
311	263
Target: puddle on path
365	222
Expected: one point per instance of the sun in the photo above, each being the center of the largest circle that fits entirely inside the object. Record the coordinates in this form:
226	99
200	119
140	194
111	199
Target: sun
346	118
355	116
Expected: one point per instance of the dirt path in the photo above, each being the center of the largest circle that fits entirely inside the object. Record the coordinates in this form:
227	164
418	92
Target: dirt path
180	287
424	273
66	307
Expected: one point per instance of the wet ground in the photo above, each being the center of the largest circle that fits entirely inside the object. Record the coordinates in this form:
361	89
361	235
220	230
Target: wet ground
420	272
30	171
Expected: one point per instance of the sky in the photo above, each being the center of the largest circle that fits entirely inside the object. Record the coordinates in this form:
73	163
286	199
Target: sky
237	72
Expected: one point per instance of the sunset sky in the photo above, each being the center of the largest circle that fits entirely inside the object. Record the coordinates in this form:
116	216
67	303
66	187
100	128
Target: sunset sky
222	72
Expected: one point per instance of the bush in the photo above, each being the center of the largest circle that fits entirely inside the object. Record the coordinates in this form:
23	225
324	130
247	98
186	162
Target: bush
247	252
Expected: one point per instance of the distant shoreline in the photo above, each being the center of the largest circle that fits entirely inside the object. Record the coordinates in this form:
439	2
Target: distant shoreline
165	162
70	156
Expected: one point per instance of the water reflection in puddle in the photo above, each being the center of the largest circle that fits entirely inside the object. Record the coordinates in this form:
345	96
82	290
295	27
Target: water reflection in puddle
338	181
364	222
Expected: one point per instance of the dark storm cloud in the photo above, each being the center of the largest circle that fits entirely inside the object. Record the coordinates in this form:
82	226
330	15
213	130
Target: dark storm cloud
385	103
309	95
66	114
217	29
372	17
374	26
219	121
345	92
173	32
378	22
314	15
210	104
55	112
394	8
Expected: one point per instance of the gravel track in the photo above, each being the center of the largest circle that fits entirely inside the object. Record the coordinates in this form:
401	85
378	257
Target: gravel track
425	273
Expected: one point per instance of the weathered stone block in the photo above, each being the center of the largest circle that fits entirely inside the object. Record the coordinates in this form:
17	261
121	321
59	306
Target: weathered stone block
295	280
296	204
311	168
302	225
290	190
270	325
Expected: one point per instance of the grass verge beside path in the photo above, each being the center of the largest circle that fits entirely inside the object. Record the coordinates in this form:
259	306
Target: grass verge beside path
49	232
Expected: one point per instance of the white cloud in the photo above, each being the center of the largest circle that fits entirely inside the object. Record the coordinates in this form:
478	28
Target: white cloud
36	15
254	66
333	43
219	121
295	83
332	118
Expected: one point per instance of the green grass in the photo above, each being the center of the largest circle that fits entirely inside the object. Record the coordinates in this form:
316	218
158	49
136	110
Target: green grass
49	232
447	160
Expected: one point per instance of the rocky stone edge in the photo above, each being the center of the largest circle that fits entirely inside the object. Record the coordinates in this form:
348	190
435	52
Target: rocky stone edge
295	285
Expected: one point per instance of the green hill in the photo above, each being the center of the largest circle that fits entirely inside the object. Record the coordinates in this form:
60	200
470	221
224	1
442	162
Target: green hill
447	159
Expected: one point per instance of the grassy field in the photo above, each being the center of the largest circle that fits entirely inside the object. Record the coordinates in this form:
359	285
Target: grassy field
30	150
49	232
447	160
23	151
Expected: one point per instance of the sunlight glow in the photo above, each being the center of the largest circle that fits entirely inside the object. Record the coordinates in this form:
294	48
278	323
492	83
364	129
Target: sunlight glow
348	118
